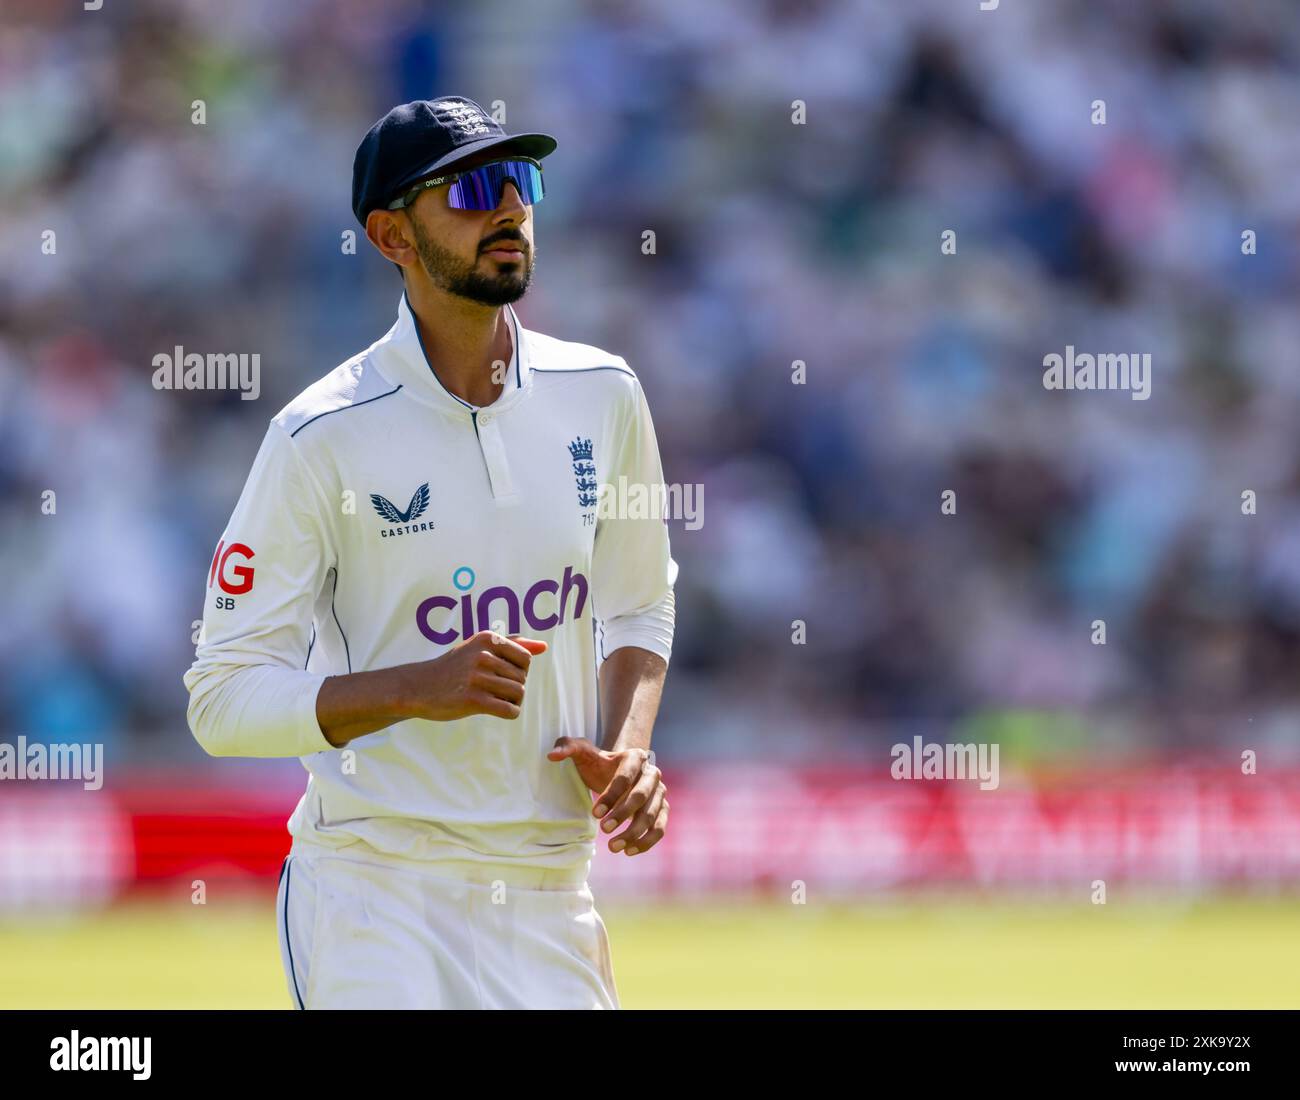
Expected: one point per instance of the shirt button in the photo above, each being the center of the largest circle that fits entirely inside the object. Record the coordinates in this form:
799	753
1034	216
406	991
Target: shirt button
486	418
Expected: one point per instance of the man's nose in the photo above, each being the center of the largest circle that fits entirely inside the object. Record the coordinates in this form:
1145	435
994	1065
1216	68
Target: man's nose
511	201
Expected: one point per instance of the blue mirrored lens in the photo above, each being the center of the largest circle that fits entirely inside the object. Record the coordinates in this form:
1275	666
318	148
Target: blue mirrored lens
480	189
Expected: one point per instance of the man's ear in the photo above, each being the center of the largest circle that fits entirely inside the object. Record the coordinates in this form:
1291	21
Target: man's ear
388	232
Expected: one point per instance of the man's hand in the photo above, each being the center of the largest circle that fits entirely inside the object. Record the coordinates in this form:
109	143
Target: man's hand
629	785
484	674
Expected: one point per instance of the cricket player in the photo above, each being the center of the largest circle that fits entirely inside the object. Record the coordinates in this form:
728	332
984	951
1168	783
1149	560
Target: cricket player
421	593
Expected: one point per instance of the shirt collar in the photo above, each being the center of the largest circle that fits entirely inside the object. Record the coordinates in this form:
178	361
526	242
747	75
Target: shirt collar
404	361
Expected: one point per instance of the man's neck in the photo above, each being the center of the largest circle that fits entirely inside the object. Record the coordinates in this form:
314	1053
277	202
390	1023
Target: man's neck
463	341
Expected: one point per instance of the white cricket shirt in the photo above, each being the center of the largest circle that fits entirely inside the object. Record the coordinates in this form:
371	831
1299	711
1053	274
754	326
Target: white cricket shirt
384	520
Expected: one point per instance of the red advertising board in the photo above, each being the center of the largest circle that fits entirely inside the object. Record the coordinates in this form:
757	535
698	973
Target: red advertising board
746	829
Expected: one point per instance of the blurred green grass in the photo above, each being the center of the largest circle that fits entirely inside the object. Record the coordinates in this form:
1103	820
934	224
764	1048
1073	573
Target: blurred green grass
923	952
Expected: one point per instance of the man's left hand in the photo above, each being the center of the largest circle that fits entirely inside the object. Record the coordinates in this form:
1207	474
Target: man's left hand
629	785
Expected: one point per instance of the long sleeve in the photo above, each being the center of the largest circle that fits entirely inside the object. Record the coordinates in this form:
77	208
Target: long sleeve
632	567
250	694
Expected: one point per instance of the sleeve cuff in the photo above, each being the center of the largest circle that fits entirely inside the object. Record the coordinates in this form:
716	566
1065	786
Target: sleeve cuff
651	629
309	733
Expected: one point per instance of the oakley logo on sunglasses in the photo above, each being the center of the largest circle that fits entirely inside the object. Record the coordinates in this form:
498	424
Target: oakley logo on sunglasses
480	188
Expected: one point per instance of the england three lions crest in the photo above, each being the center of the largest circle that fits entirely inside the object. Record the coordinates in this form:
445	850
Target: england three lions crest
584	472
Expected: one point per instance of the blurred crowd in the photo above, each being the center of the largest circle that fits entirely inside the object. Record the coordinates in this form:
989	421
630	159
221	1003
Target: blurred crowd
776	241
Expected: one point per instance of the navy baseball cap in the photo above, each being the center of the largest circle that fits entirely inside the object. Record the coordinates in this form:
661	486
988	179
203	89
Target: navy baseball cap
417	139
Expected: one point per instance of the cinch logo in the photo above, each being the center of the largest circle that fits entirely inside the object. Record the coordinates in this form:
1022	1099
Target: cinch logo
478	614
242	573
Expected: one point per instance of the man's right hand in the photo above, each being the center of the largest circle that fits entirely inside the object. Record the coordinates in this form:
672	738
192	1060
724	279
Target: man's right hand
484	674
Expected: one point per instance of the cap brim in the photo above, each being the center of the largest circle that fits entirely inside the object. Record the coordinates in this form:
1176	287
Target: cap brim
535	146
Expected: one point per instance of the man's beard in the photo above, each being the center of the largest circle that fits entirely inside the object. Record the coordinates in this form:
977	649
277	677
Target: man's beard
452	274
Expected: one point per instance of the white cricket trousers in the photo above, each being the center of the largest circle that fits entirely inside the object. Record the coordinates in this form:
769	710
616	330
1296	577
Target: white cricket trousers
356	933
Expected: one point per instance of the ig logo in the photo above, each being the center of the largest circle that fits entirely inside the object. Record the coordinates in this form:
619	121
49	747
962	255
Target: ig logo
234	579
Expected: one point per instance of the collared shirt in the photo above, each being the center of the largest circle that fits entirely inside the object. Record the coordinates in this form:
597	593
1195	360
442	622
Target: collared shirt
386	519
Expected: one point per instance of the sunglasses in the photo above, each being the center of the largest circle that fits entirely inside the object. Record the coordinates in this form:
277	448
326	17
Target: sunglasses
480	188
